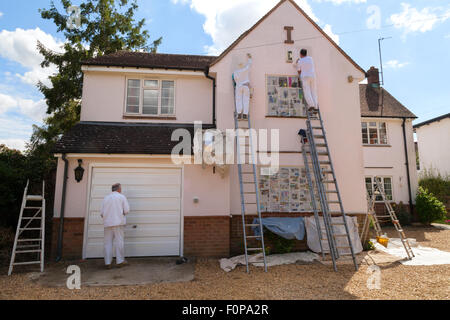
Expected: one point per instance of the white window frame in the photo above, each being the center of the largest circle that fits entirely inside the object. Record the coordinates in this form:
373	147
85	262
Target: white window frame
382	180
378	122
141	97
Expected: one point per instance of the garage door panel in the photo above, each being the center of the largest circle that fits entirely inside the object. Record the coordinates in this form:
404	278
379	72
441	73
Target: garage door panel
144	204
170	247
139	191
145	230
154	195
141	217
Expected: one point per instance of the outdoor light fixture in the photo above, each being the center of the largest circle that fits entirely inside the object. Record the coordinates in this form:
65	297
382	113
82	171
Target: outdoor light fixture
79	171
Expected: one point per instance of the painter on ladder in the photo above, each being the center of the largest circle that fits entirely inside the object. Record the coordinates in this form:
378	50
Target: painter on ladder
241	79
307	74
114	209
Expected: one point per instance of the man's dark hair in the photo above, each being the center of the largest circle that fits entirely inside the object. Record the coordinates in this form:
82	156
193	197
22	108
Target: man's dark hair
304	52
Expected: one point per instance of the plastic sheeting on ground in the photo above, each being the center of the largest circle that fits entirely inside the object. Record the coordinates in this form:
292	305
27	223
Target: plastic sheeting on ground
424	256
273	260
313	236
288	228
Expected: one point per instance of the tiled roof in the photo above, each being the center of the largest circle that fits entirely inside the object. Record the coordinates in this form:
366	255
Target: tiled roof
440	118
152	60
121	138
391	107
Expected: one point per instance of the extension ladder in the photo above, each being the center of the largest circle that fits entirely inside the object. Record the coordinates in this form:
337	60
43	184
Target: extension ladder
248	186
324	174
372	216
30	233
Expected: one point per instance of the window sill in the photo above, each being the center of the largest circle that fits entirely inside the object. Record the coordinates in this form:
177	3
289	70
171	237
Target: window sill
377	145
287	117
140	116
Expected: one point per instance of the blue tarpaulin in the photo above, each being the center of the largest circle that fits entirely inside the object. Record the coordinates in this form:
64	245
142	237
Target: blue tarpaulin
288	228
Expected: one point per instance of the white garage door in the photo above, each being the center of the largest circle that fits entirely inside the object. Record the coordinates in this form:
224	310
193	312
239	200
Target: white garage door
154	223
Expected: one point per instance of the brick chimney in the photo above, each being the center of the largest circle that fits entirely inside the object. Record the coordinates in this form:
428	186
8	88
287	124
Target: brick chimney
373	77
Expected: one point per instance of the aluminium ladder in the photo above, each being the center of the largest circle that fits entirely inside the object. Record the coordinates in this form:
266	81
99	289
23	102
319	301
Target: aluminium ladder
249	188
372	216
30	233
324	174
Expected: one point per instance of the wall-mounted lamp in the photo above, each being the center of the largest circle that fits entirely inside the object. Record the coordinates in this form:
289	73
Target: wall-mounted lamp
79	171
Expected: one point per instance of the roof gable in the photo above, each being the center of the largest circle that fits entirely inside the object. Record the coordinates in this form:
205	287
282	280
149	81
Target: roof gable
315	25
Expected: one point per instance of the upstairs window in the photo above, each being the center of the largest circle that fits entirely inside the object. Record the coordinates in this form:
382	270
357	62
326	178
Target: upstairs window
150	97
374	133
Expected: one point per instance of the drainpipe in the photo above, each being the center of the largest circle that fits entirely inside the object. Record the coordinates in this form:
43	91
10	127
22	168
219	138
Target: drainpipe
214	94
407	166
63	205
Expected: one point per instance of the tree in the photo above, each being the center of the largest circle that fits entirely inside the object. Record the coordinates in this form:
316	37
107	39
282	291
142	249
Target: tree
106	26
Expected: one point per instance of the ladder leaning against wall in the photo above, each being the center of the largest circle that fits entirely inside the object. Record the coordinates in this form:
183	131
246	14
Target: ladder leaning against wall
30	234
333	213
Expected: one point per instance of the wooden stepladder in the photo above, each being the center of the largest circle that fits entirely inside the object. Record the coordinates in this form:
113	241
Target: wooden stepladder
30	233
372	217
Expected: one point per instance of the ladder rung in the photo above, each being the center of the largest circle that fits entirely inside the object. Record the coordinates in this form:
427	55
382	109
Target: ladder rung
331	191
253	237
343	247
319	136
339	235
25	263
28	240
324	162
320	145
317	127
34	198
31	218
252	225
250	203
30	229
337	224
254	249
337	202
249	192
33	208
328	181
28	251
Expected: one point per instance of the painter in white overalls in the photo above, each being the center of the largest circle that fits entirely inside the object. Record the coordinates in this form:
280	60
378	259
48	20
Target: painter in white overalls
242	79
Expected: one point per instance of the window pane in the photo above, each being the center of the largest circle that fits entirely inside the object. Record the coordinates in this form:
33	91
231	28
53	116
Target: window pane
150	102
388	188
383	133
133	95
369	186
151	84
167	97
373	135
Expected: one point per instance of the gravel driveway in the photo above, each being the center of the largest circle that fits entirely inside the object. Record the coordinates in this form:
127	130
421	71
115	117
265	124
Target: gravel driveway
313	281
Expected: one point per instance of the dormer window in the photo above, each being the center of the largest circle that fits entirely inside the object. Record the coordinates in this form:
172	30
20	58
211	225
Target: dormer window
150	97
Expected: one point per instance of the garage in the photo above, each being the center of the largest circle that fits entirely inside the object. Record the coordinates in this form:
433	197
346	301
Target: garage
154	223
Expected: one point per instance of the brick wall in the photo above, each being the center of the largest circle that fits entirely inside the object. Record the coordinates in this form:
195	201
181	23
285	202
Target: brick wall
207	236
72	238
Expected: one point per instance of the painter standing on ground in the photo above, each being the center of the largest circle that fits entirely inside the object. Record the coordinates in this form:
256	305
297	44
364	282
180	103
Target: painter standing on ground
307	74
113	211
241	78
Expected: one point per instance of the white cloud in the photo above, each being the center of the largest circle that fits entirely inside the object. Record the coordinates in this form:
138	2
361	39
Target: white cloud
414	20
20	46
395	64
18	144
1	14
227	20
338	2
35	110
329	31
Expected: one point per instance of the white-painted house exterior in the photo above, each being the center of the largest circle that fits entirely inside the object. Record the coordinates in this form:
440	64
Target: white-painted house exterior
132	103
433	138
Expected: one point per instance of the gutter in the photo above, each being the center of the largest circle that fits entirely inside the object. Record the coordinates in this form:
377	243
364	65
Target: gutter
407	167
63	206
206	71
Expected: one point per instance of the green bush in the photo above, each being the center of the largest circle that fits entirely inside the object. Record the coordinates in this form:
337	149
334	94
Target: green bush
403	214
438	185
277	244
428	207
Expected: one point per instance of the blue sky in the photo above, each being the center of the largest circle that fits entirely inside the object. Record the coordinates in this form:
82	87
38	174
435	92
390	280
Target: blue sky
416	59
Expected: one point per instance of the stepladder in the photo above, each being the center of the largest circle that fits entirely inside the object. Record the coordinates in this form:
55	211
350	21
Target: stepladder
379	194
331	219
29	241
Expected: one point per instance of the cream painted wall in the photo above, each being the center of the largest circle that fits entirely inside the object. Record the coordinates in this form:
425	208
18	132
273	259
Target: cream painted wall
197	183
104	97
339	100
434	146
390	160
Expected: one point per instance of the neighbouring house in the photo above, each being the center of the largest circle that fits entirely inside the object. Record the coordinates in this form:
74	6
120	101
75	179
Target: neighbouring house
133	103
433	138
